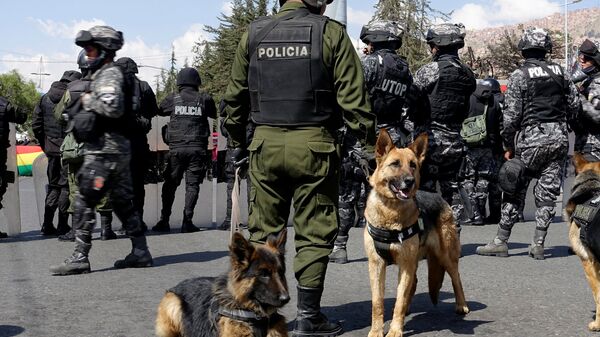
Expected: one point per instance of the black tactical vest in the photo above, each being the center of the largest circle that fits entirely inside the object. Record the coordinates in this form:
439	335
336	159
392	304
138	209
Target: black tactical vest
393	82
288	81
76	89
450	98
188	126
545	99
51	127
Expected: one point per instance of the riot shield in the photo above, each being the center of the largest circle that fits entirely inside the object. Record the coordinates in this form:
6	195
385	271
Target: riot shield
153	179
10	201
40	183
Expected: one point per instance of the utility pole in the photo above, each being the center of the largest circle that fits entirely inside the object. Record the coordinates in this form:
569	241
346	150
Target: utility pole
41	73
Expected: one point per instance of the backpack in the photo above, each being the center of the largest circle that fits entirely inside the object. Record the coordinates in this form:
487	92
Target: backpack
71	152
474	130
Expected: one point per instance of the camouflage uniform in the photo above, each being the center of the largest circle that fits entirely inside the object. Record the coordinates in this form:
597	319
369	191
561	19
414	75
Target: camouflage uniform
542	145
587	140
352	185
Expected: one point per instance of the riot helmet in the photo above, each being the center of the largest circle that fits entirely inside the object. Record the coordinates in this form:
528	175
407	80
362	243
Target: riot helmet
311	3
492	83
105	38
188	77
535	38
382	31
446	35
83	63
128	65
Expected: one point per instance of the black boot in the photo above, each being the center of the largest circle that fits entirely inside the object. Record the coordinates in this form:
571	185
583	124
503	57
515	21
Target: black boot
70	235
225	225
3	235
310	321
139	257
63	223
106	232
48	227
162	226
187	226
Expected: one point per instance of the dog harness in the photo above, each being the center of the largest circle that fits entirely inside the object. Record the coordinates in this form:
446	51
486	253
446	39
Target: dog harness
259	324
383	238
587	216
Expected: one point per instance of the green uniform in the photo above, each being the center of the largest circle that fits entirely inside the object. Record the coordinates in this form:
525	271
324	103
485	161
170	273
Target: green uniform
300	163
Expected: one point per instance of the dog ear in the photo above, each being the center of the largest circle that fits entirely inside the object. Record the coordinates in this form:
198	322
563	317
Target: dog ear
241	250
384	144
579	161
278	242
419	146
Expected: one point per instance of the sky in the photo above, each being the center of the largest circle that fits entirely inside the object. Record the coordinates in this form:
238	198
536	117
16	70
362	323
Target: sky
31	30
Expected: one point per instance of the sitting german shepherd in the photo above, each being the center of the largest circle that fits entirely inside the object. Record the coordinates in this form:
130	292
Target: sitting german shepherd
404	225
584	228
243	302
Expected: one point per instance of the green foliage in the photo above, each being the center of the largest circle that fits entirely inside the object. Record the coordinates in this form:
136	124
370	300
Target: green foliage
168	79
416	16
214	58
20	93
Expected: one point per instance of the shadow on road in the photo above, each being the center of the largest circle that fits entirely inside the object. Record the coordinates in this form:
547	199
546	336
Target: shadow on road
469	248
189	257
10	330
550	252
423	316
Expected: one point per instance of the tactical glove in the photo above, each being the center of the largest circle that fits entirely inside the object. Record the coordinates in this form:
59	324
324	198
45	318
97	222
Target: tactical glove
238	156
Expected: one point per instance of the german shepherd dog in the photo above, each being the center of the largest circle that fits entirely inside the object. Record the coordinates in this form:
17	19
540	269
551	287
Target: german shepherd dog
394	207
586	188
242	302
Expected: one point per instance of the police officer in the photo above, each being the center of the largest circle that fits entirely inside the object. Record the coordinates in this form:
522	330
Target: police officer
481	132
539	99
587	123
144	108
494	191
448	83
188	133
388	82
50	135
294	152
104	123
72	152
8	114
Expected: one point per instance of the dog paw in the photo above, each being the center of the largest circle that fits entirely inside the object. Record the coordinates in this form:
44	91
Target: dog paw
462	309
394	333
594	326
373	333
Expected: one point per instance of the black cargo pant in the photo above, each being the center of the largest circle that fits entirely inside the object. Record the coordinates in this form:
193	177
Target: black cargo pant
190	161
57	195
140	152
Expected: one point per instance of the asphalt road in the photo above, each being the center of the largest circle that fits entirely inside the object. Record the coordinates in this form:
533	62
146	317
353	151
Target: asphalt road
514	296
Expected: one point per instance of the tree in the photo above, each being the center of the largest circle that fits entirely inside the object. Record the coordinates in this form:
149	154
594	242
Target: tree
20	93
416	16
168	79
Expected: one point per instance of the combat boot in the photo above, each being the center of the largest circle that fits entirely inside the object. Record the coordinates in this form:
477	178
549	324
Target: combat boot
187	226
139	257
106	232
225	225
76	264
3	235
536	250
47	226
162	226
498	247
339	253
309	320
63	224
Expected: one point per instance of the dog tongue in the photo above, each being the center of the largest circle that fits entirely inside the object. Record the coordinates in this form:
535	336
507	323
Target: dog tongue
401	195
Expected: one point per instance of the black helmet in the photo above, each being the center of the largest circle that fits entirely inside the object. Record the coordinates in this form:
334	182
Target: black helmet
105	38
128	65
535	38
83	62
312	3
188	77
382	31
493	83
590	49
447	35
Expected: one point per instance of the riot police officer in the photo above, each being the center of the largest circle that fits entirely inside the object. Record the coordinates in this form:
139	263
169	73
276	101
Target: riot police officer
448	84
188	133
587	123
143	106
50	135
8	114
539	100
296	75
388	82
481	132
104	123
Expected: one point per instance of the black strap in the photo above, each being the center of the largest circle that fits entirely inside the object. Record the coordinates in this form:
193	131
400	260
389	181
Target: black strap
394	236
259	324
260	36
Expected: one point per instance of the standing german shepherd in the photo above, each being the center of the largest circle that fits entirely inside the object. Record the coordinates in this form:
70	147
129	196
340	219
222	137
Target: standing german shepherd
243	302
395	235
585	194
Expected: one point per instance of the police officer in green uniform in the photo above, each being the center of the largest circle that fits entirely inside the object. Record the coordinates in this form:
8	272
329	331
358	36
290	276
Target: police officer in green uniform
299	78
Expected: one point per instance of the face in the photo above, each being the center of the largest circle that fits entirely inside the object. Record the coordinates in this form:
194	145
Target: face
91	52
585	62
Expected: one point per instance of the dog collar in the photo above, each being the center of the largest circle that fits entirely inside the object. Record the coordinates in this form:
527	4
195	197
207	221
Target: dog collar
259	324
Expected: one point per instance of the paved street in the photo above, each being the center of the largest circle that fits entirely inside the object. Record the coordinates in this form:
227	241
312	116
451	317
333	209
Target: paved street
513	296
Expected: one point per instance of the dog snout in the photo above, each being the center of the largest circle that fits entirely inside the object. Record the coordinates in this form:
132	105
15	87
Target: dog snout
409	182
284	298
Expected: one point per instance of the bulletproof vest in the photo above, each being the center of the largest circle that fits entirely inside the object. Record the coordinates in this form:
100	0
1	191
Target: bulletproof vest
288	81
188	125
546	93
450	98
393	82
76	89
51	127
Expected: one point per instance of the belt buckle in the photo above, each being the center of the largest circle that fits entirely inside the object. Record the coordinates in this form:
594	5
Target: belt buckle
400	238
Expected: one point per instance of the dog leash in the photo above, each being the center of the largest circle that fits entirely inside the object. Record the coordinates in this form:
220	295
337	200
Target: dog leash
235	204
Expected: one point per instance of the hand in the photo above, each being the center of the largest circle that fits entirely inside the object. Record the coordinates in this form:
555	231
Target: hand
508	155
239	156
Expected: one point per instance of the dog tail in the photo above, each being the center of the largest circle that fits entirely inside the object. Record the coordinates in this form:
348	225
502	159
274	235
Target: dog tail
436	274
169	320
